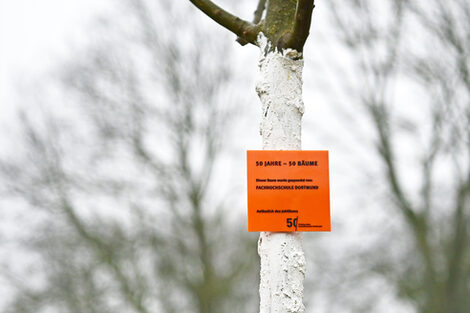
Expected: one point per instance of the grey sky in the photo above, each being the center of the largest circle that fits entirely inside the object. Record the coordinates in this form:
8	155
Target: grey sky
33	34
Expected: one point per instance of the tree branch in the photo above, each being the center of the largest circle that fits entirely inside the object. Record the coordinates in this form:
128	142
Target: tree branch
256	19
456	261
303	19
243	29
103	252
259	11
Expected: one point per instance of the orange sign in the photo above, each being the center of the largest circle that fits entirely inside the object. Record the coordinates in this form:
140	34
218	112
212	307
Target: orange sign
288	191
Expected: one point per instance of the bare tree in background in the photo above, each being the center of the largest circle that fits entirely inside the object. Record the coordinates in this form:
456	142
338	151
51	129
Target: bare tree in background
120	178
412	70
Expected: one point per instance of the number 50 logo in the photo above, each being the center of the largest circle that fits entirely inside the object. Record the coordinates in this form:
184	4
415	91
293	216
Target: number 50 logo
292	222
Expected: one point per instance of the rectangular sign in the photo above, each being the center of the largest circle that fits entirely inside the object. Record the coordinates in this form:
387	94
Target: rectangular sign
288	191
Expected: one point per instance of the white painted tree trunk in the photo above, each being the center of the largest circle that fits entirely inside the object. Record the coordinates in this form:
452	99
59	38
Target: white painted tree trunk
282	257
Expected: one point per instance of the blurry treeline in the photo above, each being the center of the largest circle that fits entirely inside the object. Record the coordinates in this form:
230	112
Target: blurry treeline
119	176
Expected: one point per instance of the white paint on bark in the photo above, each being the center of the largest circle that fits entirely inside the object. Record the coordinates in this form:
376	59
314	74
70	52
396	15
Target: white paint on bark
282	258
280	90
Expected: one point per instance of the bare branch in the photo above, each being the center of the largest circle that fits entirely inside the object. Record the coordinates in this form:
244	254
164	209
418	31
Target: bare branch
256	19
259	11
243	29
303	18
459	241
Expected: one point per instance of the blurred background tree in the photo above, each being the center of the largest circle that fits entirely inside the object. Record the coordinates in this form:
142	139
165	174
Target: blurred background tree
408	98
122	173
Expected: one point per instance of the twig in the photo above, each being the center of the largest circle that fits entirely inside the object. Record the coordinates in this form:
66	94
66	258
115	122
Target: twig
243	29
256	19
303	19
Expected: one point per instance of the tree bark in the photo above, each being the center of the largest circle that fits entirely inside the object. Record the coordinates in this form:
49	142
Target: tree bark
282	258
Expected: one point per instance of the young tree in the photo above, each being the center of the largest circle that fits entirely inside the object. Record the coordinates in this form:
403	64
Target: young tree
280	29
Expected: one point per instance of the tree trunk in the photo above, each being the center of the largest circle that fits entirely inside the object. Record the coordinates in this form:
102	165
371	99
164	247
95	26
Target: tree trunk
281	37
282	257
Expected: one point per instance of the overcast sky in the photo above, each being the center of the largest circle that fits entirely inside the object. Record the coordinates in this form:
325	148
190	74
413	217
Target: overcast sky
32	35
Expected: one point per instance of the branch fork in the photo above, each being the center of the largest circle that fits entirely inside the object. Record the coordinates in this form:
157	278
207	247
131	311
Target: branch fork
247	32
